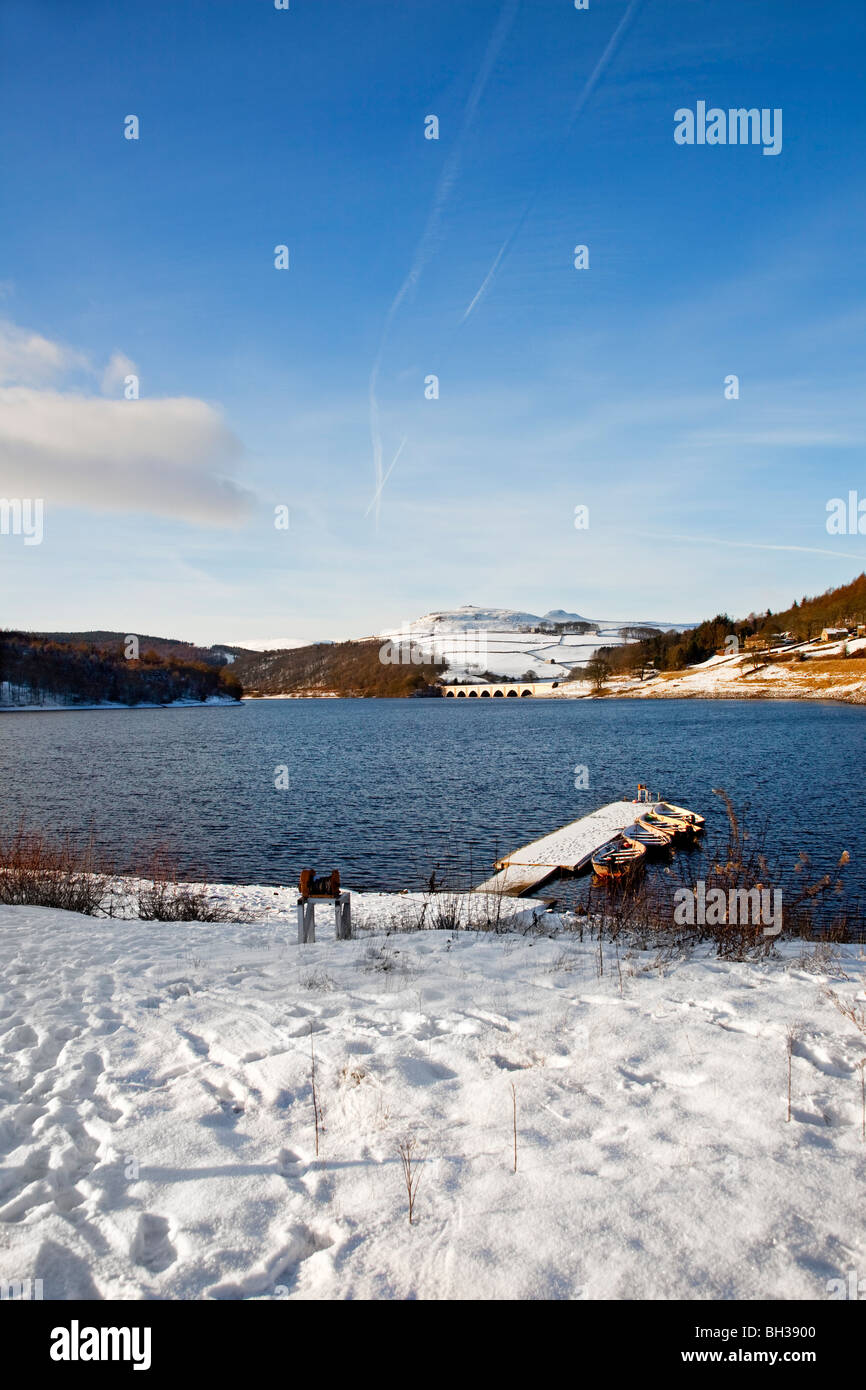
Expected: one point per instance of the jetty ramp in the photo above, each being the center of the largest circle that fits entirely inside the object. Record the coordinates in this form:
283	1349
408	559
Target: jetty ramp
569	849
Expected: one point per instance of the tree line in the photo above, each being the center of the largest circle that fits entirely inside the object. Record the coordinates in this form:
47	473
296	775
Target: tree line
344	668
38	669
844	606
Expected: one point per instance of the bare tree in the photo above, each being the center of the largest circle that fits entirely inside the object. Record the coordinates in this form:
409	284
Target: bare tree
597	670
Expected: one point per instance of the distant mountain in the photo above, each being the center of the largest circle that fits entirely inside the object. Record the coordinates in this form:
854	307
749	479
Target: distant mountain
461	619
275	644
466	643
469	617
559	615
473	642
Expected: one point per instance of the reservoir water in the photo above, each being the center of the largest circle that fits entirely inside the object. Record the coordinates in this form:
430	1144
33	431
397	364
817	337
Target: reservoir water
388	790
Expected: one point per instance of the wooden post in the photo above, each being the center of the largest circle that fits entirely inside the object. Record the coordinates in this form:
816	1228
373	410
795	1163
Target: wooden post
306	921
307	918
343	917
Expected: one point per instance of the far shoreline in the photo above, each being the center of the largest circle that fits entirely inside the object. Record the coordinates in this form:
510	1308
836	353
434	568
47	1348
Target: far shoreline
856	698
85	709
783	697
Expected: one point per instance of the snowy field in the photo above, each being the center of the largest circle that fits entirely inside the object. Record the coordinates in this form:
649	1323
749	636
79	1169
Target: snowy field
506	654
826	675
157	1125
509	643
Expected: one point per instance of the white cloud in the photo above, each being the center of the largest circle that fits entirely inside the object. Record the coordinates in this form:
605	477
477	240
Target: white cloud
115	374
28	359
168	457
171	457
781	438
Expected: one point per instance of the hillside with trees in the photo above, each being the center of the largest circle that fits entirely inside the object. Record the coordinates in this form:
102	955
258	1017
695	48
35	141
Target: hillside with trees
673	651
341	668
842	607
163	646
92	667
43	670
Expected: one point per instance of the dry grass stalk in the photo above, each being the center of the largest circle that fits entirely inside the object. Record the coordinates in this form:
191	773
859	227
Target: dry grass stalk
38	872
791	1036
411	1162
317	1110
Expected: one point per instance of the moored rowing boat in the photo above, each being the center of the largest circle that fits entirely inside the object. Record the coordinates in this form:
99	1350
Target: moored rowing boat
618	858
653	836
665	808
673	826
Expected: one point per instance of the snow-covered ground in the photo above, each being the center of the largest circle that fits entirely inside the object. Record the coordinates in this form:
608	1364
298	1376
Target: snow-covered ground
281	644
824	676
508	642
157	1129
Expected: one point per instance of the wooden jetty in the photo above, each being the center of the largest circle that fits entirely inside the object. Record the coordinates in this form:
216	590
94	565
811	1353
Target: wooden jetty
568	850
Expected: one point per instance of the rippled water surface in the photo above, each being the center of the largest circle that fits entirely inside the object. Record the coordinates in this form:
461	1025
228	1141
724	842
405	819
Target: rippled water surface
386	789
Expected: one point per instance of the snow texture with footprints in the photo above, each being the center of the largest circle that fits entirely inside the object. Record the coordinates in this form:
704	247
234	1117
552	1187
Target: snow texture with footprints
157	1133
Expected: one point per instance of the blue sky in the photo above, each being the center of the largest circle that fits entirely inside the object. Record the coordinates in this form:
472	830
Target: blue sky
261	387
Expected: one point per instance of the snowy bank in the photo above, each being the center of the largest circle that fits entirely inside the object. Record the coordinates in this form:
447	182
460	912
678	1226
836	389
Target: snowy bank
157	1123
48	707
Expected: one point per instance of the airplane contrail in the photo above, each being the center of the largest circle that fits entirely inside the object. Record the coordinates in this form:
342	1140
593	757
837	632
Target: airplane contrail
432	230
748	545
602	63
378	491
493	269
585	94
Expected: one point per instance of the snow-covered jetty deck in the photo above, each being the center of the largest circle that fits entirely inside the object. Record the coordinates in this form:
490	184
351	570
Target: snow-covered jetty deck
569	849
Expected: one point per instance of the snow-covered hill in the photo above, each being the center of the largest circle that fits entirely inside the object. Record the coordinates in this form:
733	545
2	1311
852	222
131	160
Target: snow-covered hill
508	642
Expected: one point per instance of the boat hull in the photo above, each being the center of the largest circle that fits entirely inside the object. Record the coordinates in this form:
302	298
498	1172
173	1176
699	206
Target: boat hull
671	825
653	836
618	859
666	808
